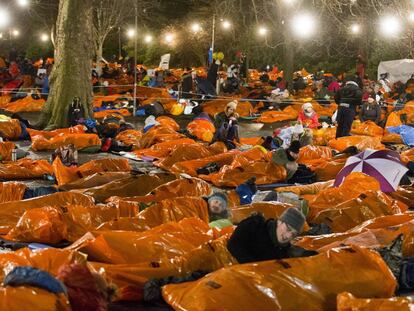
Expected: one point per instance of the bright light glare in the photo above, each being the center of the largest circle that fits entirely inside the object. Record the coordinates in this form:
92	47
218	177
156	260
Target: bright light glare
15	32
44	37
195	27
411	16
262	31
289	2
390	26
303	25
131	33
169	37
355	28
23	2
148	38
1	35
4	18
226	25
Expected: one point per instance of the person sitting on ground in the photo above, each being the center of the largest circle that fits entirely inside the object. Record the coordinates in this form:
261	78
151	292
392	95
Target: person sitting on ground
227	129
308	117
257	239
287	158
370	111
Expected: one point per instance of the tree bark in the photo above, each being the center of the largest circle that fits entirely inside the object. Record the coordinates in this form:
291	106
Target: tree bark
71	73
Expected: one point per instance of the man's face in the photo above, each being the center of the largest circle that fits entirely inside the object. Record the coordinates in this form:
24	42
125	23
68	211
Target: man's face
216	206
285	233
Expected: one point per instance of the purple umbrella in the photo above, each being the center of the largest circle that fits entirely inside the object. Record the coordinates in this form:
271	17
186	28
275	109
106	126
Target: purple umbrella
384	165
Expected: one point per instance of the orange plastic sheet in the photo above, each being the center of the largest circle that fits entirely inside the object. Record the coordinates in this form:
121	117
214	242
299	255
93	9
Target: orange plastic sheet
80	141
370	204
10	129
158	134
251	141
49	260
268	209
213	107
163	149
310	189
78	129
162	242
4	100
130	278
348	302
326	111
191	187
27	104
313	156
94	180
361	142
10	212
392	138
190	152
6	148
129	137
168	122
271	116
25	169
202	129
65	175
11	191
393	120
175	209
103	113
327	170
190	166
404	194
368	128
251	163
407	155
353	185
128	187
322	136
373	233
313	282
98	100
26	298
41	225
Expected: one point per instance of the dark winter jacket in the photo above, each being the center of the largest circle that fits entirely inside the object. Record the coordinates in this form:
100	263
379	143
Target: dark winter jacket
370	113
255	240
349	94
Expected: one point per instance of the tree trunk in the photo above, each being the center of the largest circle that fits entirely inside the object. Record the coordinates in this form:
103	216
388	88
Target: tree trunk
71	74
288	57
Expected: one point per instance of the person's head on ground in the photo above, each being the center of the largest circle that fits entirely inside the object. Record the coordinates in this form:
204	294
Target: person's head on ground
293	150
231	107
289	225
307	109
218	206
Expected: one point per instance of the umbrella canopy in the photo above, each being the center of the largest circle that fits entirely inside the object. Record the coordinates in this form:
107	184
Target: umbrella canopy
383	165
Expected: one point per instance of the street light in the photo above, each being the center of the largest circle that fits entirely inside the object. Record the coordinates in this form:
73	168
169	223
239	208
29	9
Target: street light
169	37
390	26
131	33
195	27
4	17
303	25
262	31
226	24
15	32
44	37
355	29
148	39
23	3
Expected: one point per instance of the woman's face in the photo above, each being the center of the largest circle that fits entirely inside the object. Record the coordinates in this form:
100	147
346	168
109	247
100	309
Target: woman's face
230	111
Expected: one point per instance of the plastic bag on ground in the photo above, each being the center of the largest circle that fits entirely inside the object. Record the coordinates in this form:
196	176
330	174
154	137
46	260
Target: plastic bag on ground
348	302
158	134
127	187
129	138
25	298
94	180
65	175
27	104
271	116
10	129
370	204
368	128
40	225
25	169
11	212
313	282
11	191
163	149
361	142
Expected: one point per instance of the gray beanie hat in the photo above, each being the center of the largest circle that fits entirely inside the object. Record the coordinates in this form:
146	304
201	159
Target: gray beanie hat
294	218
219	196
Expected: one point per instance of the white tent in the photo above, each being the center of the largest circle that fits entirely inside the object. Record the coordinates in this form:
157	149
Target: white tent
399	70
